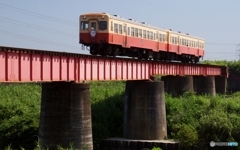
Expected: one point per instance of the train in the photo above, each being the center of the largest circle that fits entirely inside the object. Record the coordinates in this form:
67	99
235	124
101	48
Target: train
112	35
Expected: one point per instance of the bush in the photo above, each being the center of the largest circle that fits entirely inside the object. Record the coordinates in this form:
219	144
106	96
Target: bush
188	136
19	115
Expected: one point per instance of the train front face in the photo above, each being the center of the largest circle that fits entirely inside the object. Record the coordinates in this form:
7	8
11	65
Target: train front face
93	29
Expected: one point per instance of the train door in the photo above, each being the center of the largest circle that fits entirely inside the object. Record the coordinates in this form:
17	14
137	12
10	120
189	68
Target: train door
157	41
124	35
93	27
168	41
178	44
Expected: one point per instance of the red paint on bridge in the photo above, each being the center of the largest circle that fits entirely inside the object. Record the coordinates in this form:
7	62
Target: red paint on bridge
26	65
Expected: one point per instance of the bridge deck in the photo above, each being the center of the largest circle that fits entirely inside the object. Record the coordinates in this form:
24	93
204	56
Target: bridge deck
28	65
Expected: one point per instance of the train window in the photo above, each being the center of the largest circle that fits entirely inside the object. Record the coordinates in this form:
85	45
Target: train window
84	25
128	30
140	33
132	31
151	35
173	40
111	26
176	41
157	36
102	25
136	32
94	25
120	28
147	34
115	27
144	34
161	37
125	29
180	41
154	36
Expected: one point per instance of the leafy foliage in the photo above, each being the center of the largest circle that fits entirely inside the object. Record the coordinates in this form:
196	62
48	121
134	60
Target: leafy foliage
107	110
235	65
194	120
19	114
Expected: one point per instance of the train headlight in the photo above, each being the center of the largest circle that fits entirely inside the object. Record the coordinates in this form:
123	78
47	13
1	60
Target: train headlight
93	33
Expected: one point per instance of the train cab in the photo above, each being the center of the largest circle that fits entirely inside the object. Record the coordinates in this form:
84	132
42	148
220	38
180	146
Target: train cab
93	28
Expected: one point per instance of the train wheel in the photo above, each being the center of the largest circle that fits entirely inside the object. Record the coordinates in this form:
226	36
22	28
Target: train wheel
196	60
107	51
146	56
93	50
156	56
192	59
115	51
140	56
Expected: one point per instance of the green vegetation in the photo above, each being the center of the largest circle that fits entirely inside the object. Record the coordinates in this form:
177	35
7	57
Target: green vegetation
19	114
194	120
235	65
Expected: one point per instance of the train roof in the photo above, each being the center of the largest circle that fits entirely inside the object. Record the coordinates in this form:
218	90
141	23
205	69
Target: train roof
144	24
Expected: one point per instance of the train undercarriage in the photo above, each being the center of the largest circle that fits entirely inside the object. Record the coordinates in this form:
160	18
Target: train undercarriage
115	50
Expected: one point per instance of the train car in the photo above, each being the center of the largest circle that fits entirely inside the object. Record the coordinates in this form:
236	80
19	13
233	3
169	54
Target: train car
112	35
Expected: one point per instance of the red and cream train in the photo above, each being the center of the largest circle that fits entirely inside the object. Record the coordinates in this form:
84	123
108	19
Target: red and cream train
115	36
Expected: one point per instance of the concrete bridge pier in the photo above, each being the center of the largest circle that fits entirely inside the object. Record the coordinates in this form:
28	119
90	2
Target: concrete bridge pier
144	119
204	85
184	84
177	85
169	84
144	111
65	115
221	84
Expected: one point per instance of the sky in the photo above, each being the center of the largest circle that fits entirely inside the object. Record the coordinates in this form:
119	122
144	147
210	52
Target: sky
54	24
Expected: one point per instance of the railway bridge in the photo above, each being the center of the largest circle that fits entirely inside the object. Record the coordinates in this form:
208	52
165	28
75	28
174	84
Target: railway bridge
65	98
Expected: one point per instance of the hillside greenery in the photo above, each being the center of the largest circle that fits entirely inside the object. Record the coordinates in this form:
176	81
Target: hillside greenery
191	119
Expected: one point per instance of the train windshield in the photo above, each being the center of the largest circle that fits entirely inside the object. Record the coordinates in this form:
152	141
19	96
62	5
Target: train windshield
93	25
102	25
84	25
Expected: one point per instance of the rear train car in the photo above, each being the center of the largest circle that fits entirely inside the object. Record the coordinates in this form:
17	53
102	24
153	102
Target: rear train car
111	35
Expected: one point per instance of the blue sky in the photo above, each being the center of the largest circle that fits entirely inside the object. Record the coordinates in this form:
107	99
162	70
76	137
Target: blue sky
53	24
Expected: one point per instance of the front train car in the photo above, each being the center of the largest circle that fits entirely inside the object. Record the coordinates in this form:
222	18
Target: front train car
93	31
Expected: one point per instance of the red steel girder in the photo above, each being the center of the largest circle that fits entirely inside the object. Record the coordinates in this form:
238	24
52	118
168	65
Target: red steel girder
27	65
